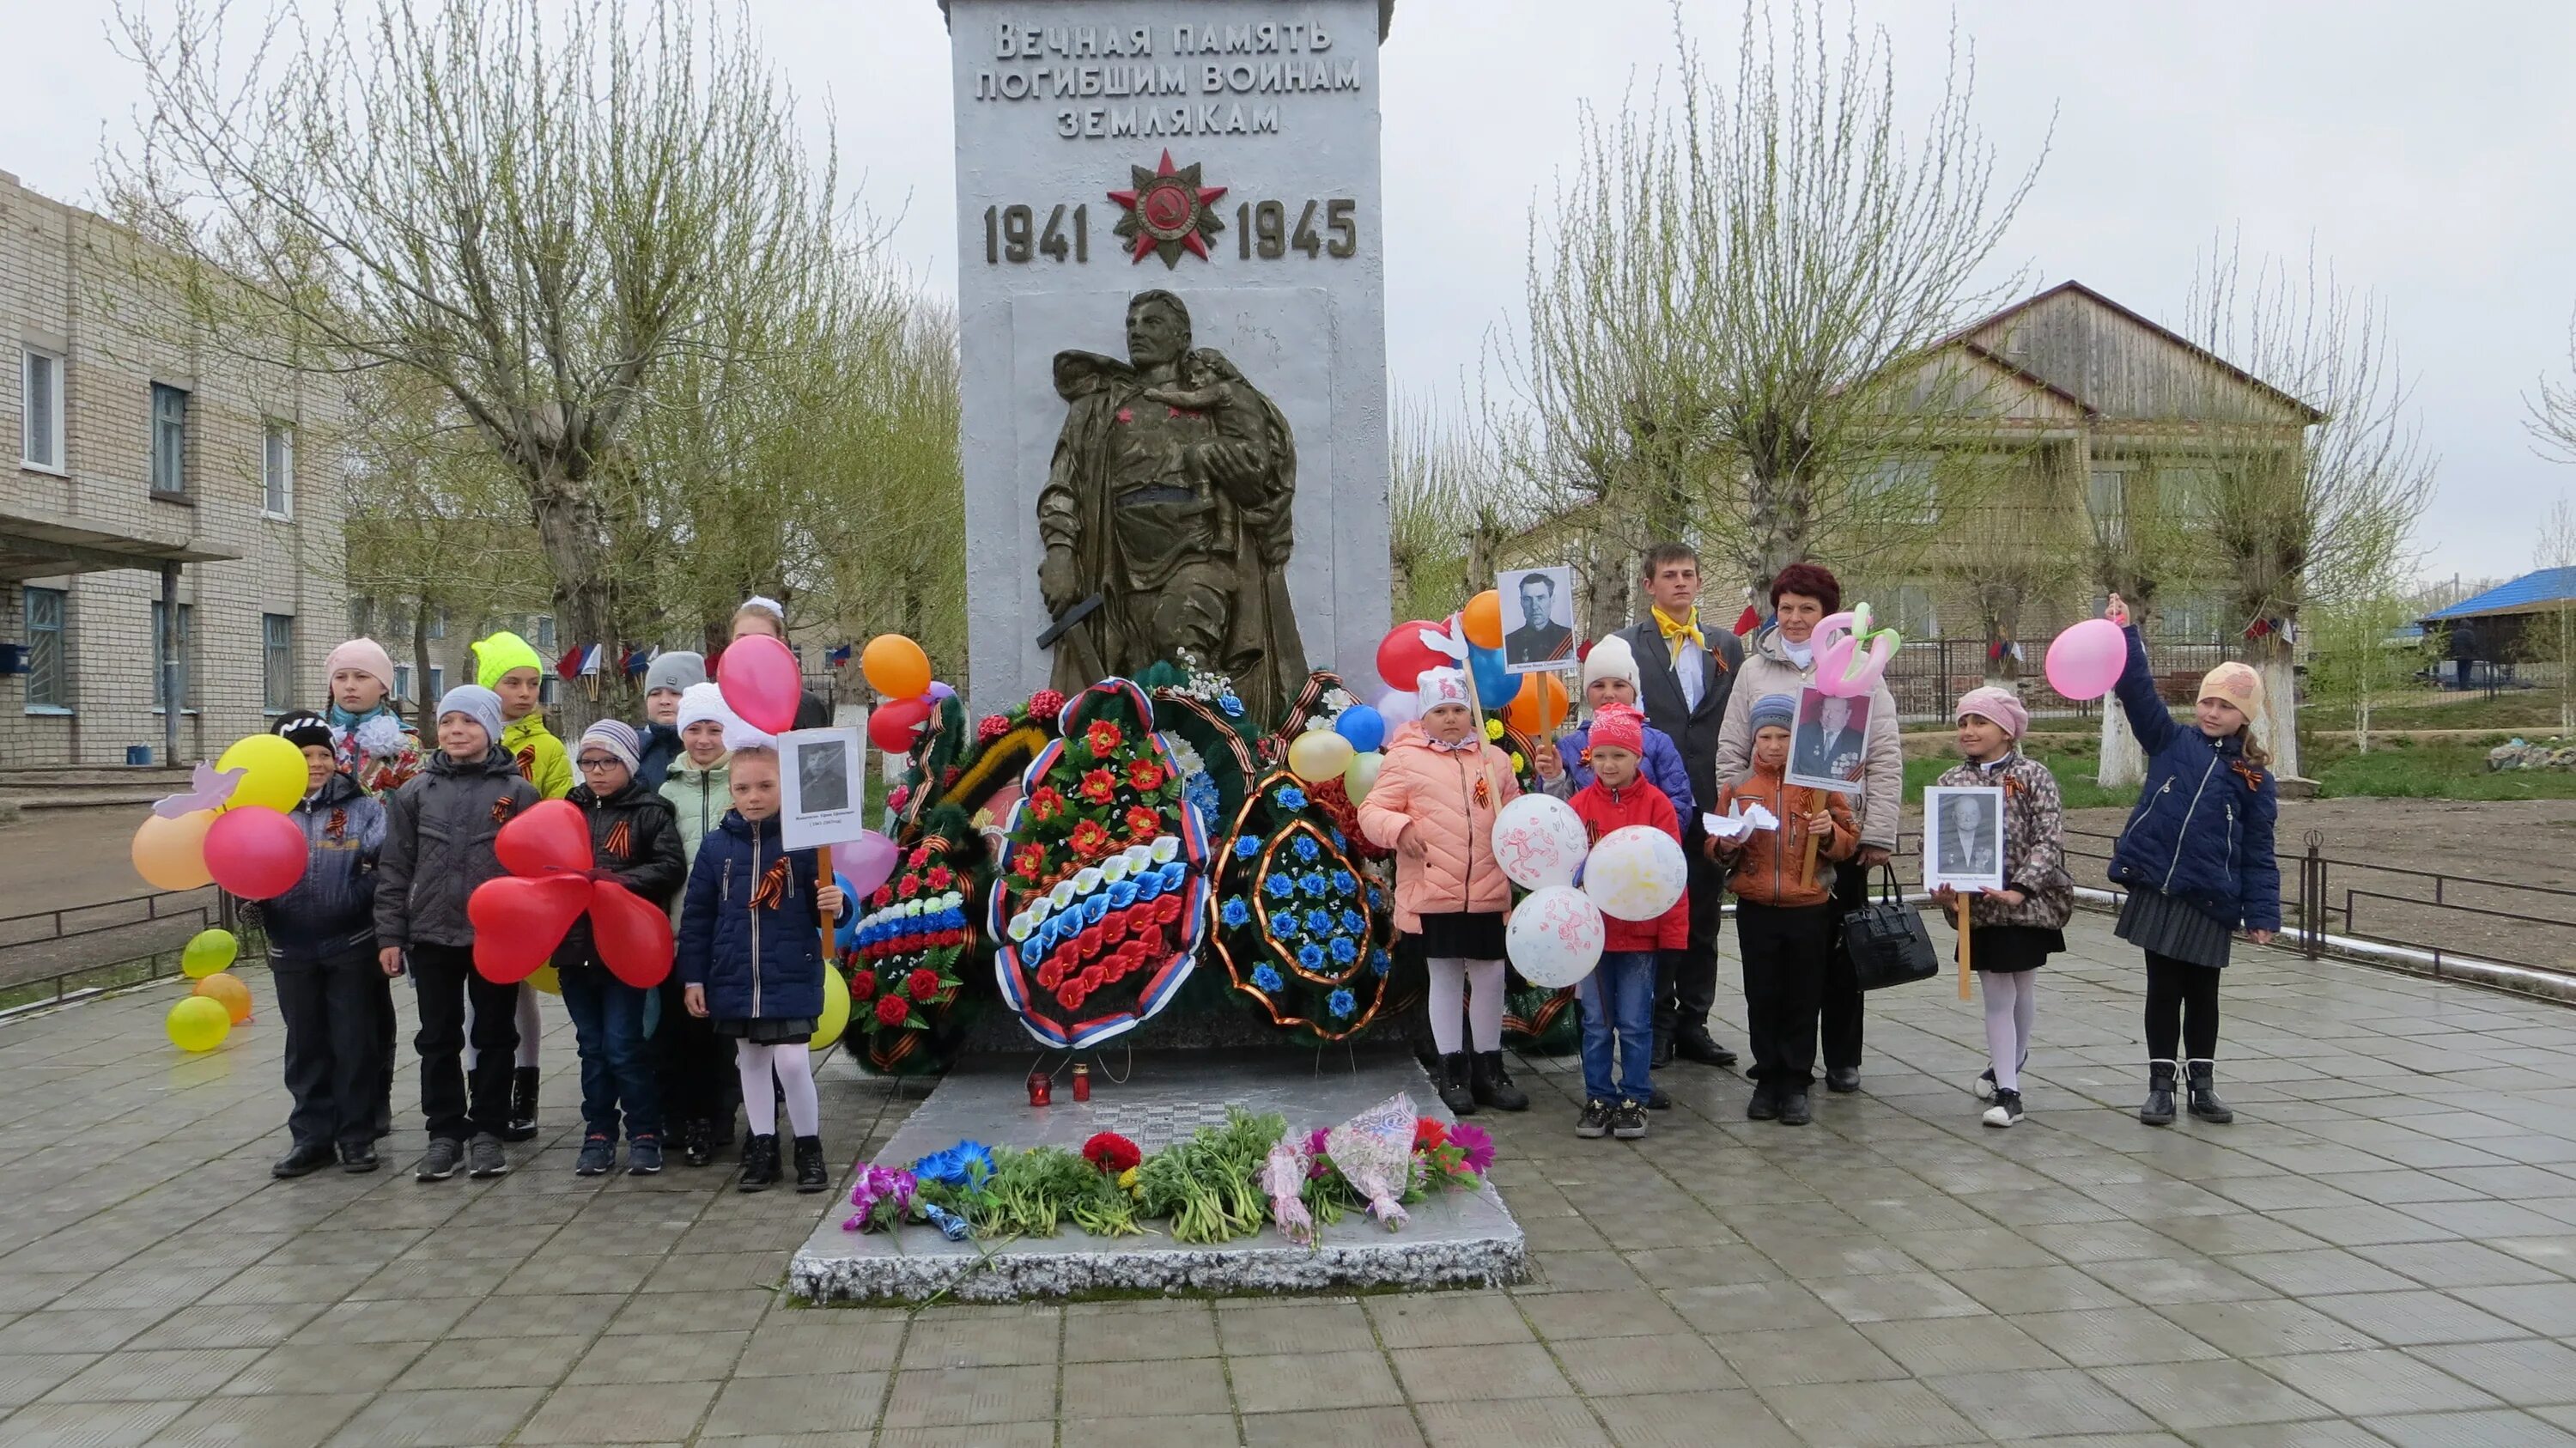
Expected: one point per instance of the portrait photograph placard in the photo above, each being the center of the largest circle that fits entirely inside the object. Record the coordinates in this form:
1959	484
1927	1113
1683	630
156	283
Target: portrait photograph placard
1538	618
1829	742
1963	839
822	785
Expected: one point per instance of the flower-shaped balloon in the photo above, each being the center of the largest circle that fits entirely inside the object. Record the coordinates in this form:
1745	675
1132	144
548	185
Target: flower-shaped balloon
1850	655
521	917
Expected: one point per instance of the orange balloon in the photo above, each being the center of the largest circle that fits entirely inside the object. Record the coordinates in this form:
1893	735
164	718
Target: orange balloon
1540	705
1483	620
170	854
227	987
895	667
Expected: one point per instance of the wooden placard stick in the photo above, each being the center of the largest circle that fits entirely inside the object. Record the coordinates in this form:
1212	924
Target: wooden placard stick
823	877
1476	722
1807	861
1967	929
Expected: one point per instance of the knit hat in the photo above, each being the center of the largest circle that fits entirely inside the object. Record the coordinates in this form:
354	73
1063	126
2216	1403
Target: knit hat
2239	685
1440	686
615	737
496	656
1996	706
367	657
1616	726
476	703
303	729
769	606
739	735
703	704
675	671
1610	659
1773	709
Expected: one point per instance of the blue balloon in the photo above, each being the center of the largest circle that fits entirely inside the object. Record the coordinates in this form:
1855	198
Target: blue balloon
1495	685
1363	726
845	926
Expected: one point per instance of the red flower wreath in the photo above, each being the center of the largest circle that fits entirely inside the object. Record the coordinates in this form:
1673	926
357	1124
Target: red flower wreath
1144	774
863	985
1111	1152
1090	840
1103	738
1045	803
883	897
893	1011
908	886
1143	823
919	857
1029	861
922	984
940	877
1099	786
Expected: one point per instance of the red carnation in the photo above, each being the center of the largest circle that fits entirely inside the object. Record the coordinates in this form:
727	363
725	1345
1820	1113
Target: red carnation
1111	1152
1143	823
940	877
1429	1135
1029	862
893	1011
1099	786
1144	774
1090	840
863	984
1046	704
1103	738
991	727
922	984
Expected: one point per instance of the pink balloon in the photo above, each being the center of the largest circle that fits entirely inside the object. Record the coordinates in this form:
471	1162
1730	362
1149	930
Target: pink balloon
866	862
1841	667
2085	661
759	680
255	852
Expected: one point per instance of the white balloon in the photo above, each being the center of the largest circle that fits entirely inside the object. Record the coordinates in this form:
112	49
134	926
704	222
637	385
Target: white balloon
1399	706
1555	937
1539	841
1636	873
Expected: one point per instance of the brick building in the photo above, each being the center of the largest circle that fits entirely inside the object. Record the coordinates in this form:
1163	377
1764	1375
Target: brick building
149	469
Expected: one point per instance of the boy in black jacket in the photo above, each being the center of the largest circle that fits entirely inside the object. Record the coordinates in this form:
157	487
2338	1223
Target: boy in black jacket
321	956
635	841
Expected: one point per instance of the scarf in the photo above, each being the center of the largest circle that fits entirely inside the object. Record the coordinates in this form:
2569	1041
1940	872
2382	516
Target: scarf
1676	632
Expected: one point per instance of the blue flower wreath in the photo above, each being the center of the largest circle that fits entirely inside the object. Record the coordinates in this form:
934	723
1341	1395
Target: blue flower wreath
1232	705
1319	921
1342	1002
1354	923
1343	884
1266	977
1312	883
1236	913
1381	962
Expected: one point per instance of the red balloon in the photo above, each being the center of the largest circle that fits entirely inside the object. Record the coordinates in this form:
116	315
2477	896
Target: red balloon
518	922
891	726
549	838
759	680
255	852
1402	655
633	935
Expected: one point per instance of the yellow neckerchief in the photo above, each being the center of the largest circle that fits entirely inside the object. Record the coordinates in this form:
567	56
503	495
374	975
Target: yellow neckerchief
1675	631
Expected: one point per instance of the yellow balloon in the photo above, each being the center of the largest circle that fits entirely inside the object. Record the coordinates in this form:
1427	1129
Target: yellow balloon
170	854
227	990
836	1010
1318	755
273	772
209	951
545	979
1360	775
197	1024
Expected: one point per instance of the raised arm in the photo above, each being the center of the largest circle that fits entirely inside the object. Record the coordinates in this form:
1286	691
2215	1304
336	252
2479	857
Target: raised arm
2149	719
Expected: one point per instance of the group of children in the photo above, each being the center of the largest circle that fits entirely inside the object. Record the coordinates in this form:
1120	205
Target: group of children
682	812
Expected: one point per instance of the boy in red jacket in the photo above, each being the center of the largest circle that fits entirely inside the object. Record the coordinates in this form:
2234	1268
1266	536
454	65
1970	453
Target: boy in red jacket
1619	995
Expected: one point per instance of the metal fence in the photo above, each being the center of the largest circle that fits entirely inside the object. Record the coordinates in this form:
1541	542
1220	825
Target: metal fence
49	956
1927	676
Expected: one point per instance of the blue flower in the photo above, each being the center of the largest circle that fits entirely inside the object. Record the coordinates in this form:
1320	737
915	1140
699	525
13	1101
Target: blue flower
1291	797
1202	795
1235	914
1312	882
967	1161
1307	849
1339	841
1231	705
1311	956
1122	894
1245	847
1342	1002
1279	887
1342	951
1266	977
1381	962
1354	923
1343	884
1377	900
1319	922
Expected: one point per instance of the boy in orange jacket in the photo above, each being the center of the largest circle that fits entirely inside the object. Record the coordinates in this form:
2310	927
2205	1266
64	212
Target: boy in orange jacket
1782	922
1619	995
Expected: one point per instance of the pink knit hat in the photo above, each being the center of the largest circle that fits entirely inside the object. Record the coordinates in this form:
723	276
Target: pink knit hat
1616	726
1995	706
364	655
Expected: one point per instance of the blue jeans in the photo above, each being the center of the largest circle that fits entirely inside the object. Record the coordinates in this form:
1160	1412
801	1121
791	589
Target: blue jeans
1619	996
608	1023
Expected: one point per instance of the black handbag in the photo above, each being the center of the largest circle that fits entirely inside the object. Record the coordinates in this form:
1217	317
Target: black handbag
1886	941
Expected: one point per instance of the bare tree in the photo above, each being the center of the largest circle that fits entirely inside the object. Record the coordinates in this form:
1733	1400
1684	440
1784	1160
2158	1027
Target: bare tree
527	208
2023	545
2551	637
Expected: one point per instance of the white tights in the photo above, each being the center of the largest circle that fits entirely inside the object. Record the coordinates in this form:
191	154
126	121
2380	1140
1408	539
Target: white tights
1452	981
794	1065
2012	1001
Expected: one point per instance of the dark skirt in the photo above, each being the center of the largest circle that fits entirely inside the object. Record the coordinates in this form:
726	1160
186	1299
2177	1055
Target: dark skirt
1460	935
2011	948
769	1030
2160	924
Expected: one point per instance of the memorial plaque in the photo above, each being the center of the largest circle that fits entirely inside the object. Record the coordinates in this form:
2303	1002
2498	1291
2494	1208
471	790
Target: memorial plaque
1172	312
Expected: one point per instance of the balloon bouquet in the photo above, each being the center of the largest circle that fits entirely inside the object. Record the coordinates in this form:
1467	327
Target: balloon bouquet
1851	660
229	830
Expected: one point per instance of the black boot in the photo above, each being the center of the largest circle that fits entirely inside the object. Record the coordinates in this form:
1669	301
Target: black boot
2159	1110
523	1105
759	1164
2205	1105
698	1142
1457	1084
1663	1051
1492	1085
810	1173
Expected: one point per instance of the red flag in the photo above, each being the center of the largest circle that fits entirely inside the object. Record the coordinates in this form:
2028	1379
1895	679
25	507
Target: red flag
1747	621
570	664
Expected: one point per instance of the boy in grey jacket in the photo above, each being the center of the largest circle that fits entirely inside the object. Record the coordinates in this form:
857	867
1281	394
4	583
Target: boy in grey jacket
439	833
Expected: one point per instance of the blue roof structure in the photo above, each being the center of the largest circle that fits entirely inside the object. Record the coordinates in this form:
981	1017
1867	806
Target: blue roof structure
2527	594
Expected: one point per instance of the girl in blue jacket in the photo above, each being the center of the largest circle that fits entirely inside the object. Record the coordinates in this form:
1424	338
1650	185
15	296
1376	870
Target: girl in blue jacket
751	959
2196	857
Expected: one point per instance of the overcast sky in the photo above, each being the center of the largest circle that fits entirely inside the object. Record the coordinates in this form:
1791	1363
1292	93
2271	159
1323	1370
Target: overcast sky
2423	149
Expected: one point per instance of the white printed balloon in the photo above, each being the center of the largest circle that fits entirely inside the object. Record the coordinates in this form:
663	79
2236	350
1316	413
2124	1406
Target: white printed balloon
1636	873
1555	937
1538	840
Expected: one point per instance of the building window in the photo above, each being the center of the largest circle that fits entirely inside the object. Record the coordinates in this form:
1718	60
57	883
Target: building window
362	611
277	472
437	683
49	655
438	623
179	648
545	636
277	661
40	398
169	441
2105	499
402	681
1910	612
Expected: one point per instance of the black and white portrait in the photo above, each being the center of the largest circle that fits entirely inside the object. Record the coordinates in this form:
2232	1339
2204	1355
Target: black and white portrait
1829	745
1538	618
1963	839
822	777
821	787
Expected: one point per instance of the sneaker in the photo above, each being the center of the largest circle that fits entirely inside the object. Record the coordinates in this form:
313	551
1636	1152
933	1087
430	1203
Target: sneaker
439	1162
1793	1109
1985	1087
1765	1105
303	1161
1594	1123
358	1157
1628	1122
598	1154
483	1157
2006	1110
644	1156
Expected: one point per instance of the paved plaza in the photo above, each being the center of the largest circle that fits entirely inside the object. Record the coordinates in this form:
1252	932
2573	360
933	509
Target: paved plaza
2381	1249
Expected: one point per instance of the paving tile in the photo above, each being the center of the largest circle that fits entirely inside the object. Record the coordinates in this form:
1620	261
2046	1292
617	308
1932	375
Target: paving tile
1178	1431
982	1435
1683	1420
164	1376
1450	1319
619	1413
1889	1415
2052	1402
1622	1366
298	1421
975	1337
464	1363
2455	1264
1896	1296
2407	1319
383	1321
581	1316
1573	1316
938	1397
2017	1290
100	1329
1931	1347
1489	1371
2194	1396
2548	1309
1192	1386
1836	1354
668	1357
2265	1328
2378	1380
1148	1331
88	1425
1525	1423
2316	1272
733	1311
1299	1381
1390	1427
439	1419
1751	1307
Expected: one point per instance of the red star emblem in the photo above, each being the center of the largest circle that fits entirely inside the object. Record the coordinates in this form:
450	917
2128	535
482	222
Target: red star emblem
1168	211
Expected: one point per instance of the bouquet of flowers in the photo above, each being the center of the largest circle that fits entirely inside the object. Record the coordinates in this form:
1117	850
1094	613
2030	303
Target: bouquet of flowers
1356	1164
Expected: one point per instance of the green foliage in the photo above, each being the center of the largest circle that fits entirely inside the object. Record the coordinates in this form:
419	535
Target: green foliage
2442	770
1209	1184
2073	768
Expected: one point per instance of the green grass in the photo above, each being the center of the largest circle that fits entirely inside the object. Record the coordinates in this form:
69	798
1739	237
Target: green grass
2074	769
2401	770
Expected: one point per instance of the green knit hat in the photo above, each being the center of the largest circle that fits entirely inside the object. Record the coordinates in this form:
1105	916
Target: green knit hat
499	654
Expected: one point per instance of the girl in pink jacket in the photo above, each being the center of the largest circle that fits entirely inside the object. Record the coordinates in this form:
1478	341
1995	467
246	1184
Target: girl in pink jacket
1434	804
